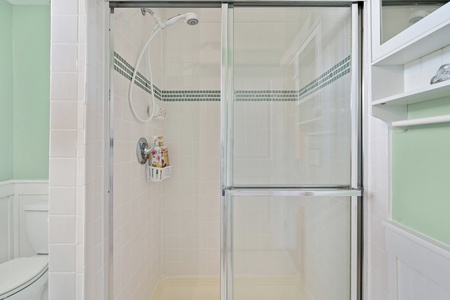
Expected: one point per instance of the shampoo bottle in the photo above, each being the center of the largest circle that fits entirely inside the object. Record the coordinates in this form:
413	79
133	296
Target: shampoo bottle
156	160
164	153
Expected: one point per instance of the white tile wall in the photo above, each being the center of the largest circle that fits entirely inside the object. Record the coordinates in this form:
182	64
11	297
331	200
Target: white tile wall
377	197
76	145
377	191
191	57
137	204
93	142
66	159
191	201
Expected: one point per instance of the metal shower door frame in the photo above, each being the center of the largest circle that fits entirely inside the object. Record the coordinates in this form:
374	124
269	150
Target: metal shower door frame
355	191
227	190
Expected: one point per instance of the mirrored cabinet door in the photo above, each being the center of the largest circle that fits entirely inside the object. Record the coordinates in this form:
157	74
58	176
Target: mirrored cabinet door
397	24
398	15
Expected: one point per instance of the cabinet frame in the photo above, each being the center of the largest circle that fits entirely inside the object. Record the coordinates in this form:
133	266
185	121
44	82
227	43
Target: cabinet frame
389	94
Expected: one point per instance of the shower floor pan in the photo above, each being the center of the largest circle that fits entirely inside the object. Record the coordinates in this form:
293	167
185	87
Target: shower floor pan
260	288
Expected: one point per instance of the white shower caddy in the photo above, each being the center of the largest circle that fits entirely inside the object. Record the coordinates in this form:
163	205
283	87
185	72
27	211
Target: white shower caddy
155	174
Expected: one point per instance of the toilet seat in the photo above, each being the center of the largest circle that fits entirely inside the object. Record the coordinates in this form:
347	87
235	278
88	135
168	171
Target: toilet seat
19	273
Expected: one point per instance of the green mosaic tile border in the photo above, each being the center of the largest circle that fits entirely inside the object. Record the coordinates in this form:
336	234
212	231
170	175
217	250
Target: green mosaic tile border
339	70
200	95
126	70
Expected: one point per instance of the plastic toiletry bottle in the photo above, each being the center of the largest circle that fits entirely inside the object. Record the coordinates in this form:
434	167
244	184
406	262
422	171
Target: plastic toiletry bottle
156	160
164	153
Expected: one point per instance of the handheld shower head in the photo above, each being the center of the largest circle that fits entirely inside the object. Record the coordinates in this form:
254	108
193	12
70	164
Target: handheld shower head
190	19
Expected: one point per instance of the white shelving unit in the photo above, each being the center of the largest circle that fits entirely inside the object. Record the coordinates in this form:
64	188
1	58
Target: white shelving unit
420	39
392	60
431	92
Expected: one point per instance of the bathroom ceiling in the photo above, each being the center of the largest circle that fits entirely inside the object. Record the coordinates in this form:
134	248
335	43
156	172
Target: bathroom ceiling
29	2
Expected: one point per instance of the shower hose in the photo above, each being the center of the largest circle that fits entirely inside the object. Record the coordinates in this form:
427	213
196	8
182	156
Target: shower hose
152	106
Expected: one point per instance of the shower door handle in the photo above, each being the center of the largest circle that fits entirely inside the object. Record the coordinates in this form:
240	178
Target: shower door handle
293	192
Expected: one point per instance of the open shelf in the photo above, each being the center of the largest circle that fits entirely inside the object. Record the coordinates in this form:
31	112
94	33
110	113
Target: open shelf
408	60
431	92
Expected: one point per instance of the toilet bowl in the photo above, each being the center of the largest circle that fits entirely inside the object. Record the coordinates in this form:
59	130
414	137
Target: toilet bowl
25	278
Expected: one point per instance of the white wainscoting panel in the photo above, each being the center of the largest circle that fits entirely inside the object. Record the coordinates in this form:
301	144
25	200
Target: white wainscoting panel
419	267
14	194
6	221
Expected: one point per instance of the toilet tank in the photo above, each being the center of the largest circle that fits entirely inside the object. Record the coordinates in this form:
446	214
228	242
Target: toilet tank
36	224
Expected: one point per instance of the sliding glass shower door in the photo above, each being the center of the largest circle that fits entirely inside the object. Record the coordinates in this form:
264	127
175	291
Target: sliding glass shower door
290	152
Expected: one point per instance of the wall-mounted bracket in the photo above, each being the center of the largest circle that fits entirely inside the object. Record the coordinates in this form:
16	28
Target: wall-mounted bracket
142	150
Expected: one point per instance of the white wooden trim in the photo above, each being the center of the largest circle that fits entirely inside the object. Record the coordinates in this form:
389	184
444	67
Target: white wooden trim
6	188
414	255
13	187
15	190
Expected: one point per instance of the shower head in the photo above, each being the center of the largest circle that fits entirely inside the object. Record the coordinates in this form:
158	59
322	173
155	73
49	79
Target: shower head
190	19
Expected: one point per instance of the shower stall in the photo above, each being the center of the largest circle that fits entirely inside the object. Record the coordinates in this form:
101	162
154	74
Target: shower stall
259	107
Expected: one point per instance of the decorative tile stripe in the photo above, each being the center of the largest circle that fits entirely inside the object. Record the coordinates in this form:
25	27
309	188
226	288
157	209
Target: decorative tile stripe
339	70
205	95
125	69
269	95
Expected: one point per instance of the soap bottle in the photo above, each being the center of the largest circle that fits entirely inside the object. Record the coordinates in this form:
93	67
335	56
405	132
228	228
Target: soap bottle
156	158
164	153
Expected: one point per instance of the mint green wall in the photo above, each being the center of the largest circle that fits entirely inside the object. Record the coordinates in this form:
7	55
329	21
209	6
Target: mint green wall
24	91
6	92
421	173
31	82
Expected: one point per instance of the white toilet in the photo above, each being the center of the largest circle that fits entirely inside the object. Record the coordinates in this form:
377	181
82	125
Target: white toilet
25	278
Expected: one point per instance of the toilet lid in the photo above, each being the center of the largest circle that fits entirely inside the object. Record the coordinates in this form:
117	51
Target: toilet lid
21	271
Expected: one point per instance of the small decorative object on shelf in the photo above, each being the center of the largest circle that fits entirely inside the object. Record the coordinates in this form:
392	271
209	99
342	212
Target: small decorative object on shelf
155	174
442	74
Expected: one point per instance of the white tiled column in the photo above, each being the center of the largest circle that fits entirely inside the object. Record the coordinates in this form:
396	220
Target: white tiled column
67	152
378	202
377	190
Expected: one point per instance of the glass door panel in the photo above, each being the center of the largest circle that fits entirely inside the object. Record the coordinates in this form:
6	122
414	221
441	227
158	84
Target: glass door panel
291	248
290	152
291	108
